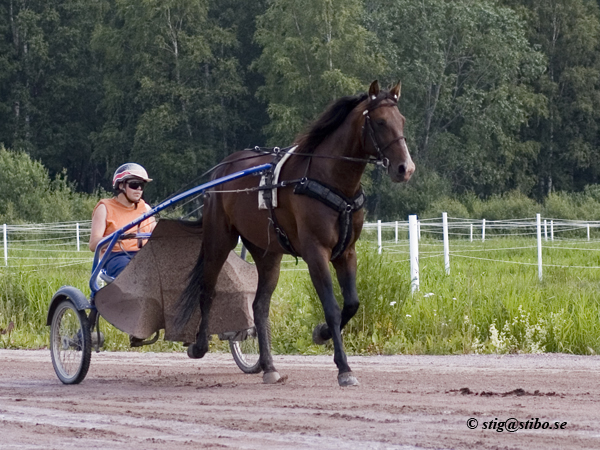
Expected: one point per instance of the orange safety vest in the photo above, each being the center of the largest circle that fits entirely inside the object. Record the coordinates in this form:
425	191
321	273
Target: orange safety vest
119	215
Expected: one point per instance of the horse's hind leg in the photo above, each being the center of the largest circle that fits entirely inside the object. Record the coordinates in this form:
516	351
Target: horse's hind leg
215	249
345	267
268	266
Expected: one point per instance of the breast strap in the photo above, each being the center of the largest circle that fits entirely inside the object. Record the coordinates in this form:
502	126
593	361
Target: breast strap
338	202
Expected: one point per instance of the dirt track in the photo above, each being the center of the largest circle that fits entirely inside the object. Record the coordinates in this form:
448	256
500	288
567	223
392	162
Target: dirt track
152	401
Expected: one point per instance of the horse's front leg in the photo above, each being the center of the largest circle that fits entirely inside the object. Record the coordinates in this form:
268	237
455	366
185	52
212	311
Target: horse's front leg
318	267
268	266
345	267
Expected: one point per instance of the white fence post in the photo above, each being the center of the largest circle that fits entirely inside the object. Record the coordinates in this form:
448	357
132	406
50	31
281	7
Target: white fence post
539	245
413	236
545	230
418	228
552	230
483	230
5	240
471	232
588	231
446	243
77	230
396	231
379	237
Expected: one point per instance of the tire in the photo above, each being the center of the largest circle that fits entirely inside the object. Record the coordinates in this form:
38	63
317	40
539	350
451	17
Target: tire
70	343
245	352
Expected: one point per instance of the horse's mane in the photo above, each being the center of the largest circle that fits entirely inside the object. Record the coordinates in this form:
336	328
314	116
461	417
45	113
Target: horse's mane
328	122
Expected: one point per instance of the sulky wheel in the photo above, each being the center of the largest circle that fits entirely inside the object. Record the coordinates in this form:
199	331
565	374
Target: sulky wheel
244	348
70	343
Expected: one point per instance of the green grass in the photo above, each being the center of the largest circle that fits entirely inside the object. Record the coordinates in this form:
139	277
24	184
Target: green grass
486	305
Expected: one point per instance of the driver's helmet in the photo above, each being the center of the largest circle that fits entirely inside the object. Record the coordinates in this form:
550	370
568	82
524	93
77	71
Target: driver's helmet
128	171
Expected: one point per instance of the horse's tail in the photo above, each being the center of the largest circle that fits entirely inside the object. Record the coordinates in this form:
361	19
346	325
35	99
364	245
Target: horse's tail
189	299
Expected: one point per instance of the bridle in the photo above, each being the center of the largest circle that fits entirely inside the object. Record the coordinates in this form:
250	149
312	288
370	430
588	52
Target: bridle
381	160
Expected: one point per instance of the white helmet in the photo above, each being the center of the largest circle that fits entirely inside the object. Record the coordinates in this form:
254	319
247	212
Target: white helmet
128	171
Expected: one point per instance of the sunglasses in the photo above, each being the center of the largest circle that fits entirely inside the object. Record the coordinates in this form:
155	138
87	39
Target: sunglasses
135	185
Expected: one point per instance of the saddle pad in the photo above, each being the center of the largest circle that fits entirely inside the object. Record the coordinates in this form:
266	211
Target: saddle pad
262	203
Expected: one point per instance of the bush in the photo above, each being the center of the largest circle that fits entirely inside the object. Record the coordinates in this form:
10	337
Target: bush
392	201
452	206
575	206
27	194
513	205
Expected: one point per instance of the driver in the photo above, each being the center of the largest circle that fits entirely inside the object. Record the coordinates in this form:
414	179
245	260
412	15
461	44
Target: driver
112	214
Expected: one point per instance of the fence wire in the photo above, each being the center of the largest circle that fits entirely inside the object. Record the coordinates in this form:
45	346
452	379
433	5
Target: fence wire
38	247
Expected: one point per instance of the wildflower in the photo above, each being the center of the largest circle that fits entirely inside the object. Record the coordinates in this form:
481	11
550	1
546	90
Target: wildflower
392	303
428	295
408	315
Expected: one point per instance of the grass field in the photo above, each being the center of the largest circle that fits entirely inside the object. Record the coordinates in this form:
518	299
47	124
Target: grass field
492	301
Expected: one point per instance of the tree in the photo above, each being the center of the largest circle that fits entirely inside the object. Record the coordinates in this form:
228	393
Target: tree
48	83
171	89
313	52
568	33
240	17
466	69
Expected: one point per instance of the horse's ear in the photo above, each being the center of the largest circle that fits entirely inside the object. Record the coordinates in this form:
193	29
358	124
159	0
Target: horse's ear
395	91
374	89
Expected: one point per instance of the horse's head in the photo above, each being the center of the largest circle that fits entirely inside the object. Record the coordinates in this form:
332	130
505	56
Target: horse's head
383	132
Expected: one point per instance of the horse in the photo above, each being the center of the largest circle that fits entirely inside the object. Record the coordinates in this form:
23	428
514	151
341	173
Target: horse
319	220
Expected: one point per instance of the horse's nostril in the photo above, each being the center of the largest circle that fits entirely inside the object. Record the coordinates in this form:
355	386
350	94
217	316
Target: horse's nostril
402	169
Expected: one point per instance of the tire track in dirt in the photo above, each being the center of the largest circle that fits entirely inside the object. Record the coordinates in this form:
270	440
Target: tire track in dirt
152	401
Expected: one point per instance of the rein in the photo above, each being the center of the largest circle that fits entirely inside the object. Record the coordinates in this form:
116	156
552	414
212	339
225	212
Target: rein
381	160
367	128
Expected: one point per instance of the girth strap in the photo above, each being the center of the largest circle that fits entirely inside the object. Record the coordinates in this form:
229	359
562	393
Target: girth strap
338	202
266	190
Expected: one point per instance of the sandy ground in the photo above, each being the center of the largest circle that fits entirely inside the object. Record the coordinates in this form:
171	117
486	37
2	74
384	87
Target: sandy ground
152	401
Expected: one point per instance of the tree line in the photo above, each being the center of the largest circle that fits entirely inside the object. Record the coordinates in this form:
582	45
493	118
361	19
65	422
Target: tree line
500	96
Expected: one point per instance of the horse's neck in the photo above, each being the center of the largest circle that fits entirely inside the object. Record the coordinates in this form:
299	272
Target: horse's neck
333	170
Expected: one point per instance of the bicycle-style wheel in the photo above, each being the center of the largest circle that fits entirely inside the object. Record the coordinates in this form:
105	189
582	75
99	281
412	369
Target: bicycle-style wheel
245	351
70	343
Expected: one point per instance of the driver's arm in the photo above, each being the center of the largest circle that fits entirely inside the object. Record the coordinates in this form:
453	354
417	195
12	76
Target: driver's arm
98	227
151	222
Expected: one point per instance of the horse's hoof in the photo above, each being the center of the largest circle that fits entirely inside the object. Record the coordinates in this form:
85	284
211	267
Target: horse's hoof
271	377
347	379
316	336
194	353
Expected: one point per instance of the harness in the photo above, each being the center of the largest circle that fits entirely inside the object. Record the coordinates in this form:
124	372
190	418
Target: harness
337	201
327	195
266	193
322	192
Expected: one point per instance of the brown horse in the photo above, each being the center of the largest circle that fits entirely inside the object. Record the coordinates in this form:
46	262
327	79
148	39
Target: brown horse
320	219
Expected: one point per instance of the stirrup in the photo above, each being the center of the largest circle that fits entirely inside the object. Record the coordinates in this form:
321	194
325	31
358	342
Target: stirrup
137	342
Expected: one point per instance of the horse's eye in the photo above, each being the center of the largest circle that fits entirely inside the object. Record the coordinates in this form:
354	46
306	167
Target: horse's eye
380	122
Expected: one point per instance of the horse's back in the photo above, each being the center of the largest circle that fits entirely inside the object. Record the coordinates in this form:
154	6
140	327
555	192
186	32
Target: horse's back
241	160
236	198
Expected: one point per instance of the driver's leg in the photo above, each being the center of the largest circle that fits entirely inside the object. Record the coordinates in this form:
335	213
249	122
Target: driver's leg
117	262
